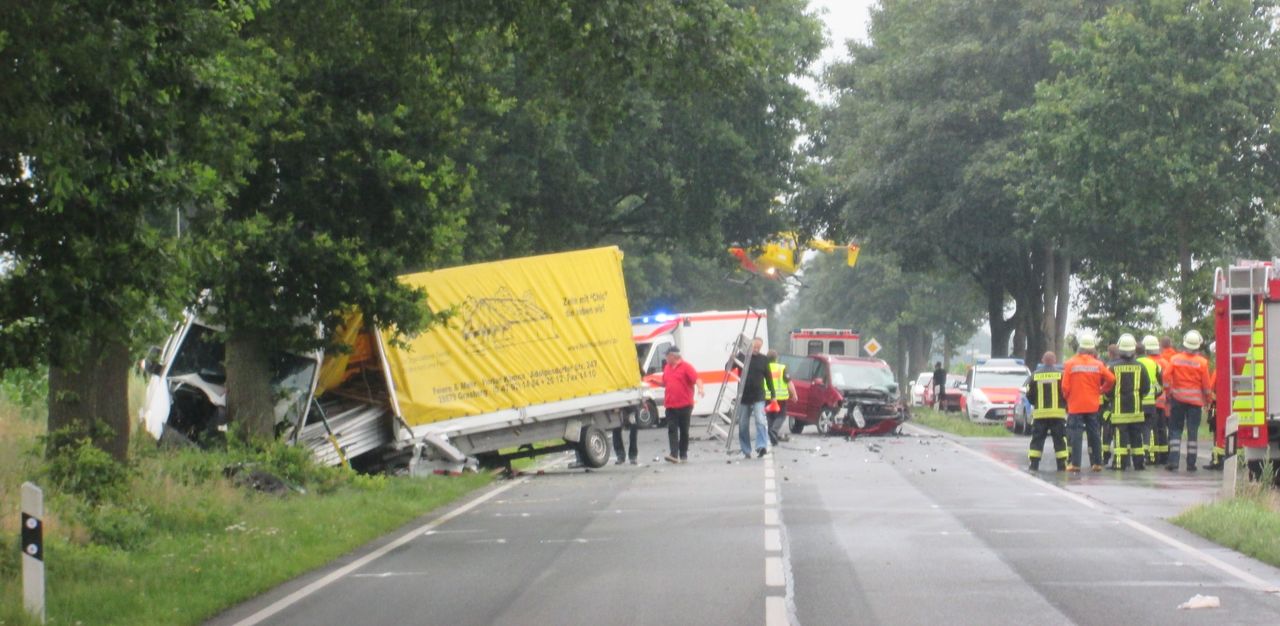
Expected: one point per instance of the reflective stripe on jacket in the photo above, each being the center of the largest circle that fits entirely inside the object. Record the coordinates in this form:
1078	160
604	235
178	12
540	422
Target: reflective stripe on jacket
1132	385
778	372
1153	374
1187	379
1084	380
1044	392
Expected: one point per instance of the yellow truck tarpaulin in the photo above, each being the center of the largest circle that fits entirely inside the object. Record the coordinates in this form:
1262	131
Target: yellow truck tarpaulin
526	331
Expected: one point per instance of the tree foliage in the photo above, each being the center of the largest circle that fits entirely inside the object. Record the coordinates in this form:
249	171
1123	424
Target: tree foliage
1153	146
112	117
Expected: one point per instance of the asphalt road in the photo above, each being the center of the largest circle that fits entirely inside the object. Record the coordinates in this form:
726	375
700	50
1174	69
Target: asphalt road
901	530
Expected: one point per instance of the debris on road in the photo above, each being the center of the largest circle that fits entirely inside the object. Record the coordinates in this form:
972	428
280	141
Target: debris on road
1201	602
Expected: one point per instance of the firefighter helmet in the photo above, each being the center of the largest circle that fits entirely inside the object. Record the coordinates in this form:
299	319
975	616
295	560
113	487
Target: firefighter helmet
1127	344
1086	340
1192	340
1151	344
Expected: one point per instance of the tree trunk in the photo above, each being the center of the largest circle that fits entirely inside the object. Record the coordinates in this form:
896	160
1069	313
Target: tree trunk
249	401
92	397
1186	301
946	352
1049	322
1063	278
1000	327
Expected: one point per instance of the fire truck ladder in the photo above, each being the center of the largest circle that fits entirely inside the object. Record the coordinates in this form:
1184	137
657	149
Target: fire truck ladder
724	416
1242	286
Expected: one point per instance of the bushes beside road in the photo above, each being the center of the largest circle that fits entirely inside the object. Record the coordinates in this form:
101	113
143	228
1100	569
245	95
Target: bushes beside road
171	540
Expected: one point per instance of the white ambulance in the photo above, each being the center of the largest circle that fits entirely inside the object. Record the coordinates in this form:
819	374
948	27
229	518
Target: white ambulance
833	341
705	340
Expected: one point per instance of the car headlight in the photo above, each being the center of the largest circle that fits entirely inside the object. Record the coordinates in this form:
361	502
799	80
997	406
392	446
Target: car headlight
979	400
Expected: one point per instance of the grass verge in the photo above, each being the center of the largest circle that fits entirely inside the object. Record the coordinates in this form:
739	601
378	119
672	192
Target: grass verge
956	424
1248	523
178	542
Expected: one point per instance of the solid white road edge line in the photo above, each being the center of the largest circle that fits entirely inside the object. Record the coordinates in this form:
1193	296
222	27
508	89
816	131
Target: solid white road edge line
295	597
1239	574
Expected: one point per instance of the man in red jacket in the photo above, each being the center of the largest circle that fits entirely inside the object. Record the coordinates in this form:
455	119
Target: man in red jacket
679	380
1084	381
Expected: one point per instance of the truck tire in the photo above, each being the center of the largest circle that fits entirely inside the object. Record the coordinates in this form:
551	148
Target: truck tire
647	415
797	426
593	445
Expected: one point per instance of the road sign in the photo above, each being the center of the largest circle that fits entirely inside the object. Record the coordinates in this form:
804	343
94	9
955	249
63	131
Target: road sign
871	346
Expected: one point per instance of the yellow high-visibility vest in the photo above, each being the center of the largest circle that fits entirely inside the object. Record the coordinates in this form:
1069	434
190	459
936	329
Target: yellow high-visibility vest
780	391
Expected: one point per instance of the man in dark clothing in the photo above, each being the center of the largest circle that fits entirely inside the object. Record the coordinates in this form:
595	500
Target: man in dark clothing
757	387
939	385
618	450
1048	413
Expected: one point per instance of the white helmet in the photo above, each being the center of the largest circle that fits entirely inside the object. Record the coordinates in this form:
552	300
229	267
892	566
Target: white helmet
1151	344
1086	340
1127	344
1192	340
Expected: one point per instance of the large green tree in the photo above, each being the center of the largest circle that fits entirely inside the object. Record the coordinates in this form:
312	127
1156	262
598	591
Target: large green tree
1153	147
915	143
113	116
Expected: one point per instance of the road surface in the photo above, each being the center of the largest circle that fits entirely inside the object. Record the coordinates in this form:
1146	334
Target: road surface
916	529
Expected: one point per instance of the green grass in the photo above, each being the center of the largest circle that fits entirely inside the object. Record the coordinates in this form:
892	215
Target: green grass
956	424
1248	523
184	543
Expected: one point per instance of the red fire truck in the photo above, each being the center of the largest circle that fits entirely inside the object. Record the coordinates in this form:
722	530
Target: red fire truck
1247	333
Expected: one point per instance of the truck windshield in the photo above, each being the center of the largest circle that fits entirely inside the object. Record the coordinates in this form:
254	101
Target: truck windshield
642	352
850	376
202	352
1007	379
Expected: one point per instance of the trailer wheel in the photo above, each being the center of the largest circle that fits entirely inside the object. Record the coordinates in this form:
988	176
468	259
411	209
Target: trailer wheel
593	444
647	416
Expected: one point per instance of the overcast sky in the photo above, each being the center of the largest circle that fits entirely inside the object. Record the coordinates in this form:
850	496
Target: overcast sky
844	19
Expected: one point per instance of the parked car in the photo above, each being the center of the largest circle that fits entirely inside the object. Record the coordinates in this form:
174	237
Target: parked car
833	392
953	393
1019	422
919	387
992	389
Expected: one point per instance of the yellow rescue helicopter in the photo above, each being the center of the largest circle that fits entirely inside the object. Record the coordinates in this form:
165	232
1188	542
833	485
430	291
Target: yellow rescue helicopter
779	257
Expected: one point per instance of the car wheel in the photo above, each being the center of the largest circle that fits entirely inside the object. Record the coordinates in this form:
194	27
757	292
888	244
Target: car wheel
826	419
797	426
647	416
594	446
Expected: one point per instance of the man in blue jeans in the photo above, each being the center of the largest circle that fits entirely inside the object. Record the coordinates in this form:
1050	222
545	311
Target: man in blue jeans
751	409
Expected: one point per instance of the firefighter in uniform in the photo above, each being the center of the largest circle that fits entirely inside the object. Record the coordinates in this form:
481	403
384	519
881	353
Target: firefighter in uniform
782	384
1049	412
1162	358
1189	387
1104	410
1151	437
1132	385
1085	380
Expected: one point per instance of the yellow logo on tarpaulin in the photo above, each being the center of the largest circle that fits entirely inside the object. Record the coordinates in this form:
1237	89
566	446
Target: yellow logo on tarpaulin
872	347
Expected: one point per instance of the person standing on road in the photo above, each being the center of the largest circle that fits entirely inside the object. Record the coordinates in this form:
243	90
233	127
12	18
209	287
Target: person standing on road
757	387
1190	388
1132	385
1163	358
679	380
783	388
1085	380
939	386
621	452
1151	436
1049	412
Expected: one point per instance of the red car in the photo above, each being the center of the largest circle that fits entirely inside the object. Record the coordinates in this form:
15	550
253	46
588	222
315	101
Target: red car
952	394
834	392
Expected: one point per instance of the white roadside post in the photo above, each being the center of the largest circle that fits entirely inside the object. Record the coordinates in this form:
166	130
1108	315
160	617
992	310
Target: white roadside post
1230	464
33	550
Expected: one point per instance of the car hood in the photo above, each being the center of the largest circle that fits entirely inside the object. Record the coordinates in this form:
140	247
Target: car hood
867	394
1001	395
